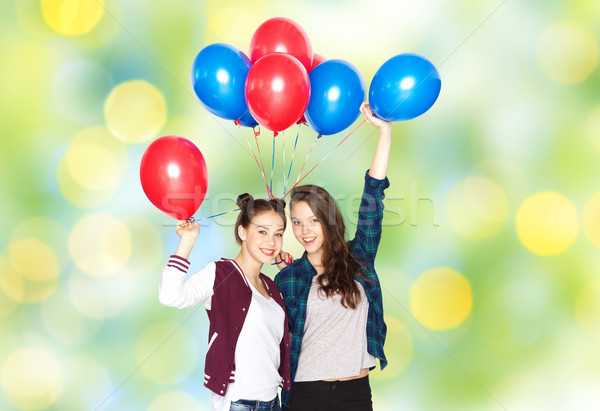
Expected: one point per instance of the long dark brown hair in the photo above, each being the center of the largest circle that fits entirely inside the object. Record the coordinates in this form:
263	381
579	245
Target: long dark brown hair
250	208
340	265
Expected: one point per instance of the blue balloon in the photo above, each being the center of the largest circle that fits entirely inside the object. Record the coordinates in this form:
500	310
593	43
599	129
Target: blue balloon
247	120
218	77
404	87
337	90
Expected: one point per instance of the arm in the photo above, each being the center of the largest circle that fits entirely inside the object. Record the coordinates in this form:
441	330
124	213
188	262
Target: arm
174	290
379	166
370	212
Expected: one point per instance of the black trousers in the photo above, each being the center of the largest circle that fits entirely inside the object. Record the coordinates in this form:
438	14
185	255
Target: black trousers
353	395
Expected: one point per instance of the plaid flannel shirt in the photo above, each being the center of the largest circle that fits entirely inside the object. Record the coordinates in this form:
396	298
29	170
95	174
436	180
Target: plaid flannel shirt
295	280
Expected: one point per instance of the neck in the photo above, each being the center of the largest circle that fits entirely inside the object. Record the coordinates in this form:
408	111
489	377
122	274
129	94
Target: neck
250	267
315	258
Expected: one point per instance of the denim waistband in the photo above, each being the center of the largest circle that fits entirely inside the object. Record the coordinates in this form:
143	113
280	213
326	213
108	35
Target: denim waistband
259	403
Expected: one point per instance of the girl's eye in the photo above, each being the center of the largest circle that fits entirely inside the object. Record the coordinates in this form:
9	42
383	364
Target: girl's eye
278	235
314	221
262	232
296	222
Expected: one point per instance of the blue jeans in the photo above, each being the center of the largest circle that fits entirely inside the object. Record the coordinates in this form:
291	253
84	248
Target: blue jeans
246	405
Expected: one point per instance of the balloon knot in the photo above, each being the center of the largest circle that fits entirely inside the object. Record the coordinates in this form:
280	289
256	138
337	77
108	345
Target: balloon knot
256	131
191	220
319	136
275	134
237	123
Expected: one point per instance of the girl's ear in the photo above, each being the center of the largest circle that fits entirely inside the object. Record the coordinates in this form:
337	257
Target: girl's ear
242	233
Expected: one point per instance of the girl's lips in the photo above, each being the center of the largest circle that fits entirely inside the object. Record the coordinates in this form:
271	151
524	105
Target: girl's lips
309	241
267	251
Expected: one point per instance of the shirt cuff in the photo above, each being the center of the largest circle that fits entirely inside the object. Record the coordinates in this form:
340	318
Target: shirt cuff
376	183
179	263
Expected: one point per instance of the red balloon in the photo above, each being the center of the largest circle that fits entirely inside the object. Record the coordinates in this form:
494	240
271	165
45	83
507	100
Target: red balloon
174	176
281	35
317	59
277	91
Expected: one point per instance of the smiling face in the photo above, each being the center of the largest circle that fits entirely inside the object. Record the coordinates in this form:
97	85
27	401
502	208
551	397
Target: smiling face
307	228
263	238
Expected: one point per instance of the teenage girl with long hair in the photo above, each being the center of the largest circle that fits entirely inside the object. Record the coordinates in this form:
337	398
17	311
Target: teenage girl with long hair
332	293
248	351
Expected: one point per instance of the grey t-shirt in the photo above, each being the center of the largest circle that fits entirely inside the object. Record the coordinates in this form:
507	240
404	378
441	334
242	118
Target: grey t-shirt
334	344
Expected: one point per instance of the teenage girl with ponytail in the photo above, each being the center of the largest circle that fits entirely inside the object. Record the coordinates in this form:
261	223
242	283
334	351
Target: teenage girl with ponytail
248	350
332	294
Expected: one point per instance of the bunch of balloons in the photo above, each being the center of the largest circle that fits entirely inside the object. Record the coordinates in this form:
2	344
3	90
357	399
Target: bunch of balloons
283	82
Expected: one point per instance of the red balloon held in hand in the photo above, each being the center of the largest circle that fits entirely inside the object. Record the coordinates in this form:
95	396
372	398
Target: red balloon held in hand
277	91
281	35
174	176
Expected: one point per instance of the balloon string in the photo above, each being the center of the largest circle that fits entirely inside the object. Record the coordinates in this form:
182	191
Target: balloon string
255	159
328	154
283	169
306	159
269	193
193	219
272	165
291	161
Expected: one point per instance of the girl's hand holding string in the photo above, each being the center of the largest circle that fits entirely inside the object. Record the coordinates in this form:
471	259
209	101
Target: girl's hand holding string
188	231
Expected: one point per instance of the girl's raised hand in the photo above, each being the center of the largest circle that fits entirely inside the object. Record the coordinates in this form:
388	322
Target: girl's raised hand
283	260
370	118
187	229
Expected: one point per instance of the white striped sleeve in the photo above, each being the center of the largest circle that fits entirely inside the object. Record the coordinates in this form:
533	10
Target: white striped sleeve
175	291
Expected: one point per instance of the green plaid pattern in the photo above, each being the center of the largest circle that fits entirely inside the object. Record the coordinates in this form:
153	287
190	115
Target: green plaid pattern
295	280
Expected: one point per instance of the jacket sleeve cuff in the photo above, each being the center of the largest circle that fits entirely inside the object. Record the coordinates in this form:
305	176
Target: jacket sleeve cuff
376	183
179	263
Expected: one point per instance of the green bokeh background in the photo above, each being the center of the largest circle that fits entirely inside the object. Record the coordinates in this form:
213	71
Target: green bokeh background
510	110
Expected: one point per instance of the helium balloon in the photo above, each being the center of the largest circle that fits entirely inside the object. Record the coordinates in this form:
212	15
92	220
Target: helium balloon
277	91
174	176
281	35
247	120
337	89
317	59
218	76
404	87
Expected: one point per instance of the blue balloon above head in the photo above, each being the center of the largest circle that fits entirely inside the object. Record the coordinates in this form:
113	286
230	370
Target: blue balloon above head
218	77
337	89
247	120
404	87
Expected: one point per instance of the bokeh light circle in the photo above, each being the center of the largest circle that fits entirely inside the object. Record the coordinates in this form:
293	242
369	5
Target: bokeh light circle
547	223
591	220
89	294
441	298
175	400
89	173
25	279
135	111
64	322
477	207
72	17
32	378
567	53
176	358
100	244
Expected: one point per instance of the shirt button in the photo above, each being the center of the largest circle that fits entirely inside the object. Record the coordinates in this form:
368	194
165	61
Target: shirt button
244	309
221	391
237	328
333	386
